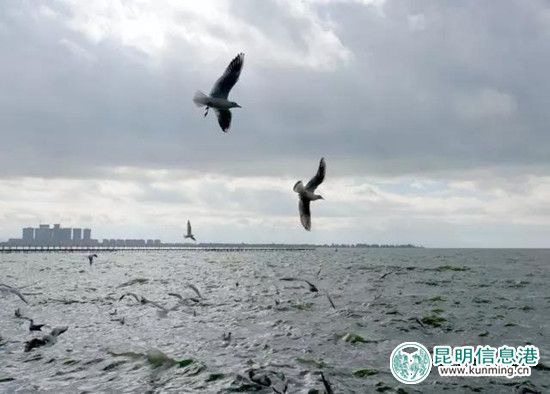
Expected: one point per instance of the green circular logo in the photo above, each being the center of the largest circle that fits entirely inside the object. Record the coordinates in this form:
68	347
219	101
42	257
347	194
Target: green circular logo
410	363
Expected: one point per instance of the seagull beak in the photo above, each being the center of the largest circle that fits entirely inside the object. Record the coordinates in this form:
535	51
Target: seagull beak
238	106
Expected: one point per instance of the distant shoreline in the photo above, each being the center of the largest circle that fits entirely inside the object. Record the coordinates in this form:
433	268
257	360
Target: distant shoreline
208	245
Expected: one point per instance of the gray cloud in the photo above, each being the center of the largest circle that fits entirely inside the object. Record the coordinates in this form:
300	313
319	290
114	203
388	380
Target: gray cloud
463	88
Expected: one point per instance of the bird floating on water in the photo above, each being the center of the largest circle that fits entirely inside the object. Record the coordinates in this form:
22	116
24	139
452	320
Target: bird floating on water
219	93
48	339
189	232
91	258
306	194
35	327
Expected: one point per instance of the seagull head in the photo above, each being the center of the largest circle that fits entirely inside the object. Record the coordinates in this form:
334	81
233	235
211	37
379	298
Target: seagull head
319	197
235	105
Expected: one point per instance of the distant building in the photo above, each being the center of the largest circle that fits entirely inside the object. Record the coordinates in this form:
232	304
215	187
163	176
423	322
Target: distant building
65	235
57	235
28	234
43	234
77	235
87	235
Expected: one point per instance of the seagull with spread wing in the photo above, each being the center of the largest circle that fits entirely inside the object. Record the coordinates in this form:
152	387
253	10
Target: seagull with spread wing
306	194
189	233
219	93
12	290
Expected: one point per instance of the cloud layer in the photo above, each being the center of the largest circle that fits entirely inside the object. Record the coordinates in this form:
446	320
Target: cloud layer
96	113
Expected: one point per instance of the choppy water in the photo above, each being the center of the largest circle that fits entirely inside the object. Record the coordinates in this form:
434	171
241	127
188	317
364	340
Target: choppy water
501	294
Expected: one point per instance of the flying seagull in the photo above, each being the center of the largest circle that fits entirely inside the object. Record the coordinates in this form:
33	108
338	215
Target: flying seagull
306	194
182	300
143	301
312	287
9	289
189	233
218	95
91	258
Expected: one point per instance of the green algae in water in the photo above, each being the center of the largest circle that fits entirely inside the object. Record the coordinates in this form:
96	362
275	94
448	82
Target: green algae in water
433	320
185	363
364	372
215	376
353	338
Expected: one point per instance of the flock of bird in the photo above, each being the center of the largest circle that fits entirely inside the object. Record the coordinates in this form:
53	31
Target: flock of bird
218	100
275	381
47	339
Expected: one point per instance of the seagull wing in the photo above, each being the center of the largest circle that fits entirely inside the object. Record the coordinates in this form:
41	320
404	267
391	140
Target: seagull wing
130	295
298	187
225	83
13	290
188	227
194	288
176	295
157	305
331	303
224	118
58	331
312	287
305	213
318	178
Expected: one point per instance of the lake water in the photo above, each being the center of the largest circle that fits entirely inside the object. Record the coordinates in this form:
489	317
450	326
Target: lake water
278	328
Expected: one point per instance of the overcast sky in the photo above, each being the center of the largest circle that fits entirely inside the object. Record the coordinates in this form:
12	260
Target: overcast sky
432	116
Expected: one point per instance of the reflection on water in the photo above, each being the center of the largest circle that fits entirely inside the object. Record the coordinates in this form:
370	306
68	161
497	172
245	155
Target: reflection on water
252	332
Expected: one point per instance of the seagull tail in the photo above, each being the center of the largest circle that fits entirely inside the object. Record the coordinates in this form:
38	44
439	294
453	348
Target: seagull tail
200	99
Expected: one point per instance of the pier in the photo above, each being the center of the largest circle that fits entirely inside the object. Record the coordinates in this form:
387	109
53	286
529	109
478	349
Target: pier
103	249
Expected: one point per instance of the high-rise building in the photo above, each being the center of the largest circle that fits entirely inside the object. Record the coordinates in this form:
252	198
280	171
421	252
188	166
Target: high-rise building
87	235
77	235
28	234
43	234
65	235
56	233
